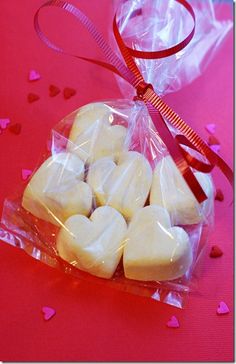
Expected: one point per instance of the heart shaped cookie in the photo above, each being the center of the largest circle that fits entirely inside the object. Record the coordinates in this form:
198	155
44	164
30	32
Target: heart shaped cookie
92	136
93	245
56	191
123	185
170	190
154	250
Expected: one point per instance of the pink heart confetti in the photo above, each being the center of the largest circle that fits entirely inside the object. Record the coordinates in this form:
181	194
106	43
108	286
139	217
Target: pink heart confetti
215	148
25	174
48	312
4	123
222	308
173	323
211	128
34	75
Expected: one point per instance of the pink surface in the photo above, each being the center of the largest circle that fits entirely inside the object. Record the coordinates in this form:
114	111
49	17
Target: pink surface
93	323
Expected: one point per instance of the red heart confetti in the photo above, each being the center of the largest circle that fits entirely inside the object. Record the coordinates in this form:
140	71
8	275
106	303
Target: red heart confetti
215	148
219	196
215	252
69	92
212	140
53	90
34	75
4	123
48	312
173	323
32	97
211	128
15	128
222	308
25	174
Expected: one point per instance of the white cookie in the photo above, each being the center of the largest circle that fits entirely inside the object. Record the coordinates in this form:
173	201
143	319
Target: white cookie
123	185
56	190
93	245
170	190
92	136
154	250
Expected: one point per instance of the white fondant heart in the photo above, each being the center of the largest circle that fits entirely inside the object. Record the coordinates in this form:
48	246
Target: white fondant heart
93	245
123	185
170	190
154	250
56	190
92	136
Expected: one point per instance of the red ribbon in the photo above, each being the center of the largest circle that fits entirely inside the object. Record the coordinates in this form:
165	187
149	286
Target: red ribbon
158	109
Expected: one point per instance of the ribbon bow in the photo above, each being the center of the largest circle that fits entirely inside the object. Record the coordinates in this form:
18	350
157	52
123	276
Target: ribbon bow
159	111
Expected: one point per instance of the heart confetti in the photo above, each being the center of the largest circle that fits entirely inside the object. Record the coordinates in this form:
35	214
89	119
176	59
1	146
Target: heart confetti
219	196
212	140
4	123
34	75
69	92
53	90
32	97
211	128
215	148
215	252
173	323
15	128
48	312
25	174
222	308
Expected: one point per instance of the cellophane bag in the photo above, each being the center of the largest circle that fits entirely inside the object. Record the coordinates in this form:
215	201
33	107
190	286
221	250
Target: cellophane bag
107	202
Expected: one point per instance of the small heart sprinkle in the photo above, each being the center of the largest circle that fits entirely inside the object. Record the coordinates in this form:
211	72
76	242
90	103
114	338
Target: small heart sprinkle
212	140
215	252
4	123
15	128
211	128
32	97
219	196
48	312
34	75
53	90
222	308
173	323
25	174
69	92
215	148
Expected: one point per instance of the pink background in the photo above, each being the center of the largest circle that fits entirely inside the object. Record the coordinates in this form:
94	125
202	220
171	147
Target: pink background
94	323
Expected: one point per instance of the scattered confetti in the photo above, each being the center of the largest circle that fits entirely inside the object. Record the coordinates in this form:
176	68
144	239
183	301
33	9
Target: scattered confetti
15	128
34	75
4	123
32	97
53	90
215	148
48	312
215	252
222	308
25	174
211	128
212	140
69	92
173	322
219	196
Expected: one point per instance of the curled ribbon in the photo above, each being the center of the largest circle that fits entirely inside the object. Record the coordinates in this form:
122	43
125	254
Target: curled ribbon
159	111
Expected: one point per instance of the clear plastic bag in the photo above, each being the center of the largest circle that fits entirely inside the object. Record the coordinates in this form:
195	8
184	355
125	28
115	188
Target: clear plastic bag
107	202
151	25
